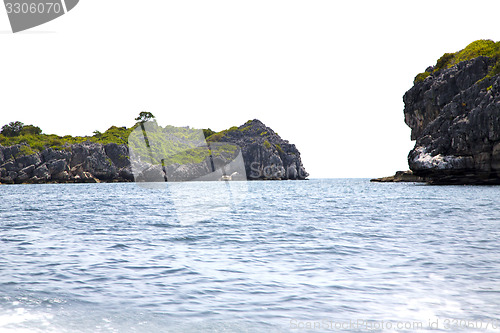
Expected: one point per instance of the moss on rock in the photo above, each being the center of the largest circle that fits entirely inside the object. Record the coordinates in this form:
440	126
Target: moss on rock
478	48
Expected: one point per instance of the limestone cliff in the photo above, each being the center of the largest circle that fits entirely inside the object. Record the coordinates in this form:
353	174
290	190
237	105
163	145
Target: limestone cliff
265	154
453	110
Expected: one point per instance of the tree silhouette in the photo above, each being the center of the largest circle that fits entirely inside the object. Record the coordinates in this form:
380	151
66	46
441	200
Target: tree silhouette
144	116
12	129
31	129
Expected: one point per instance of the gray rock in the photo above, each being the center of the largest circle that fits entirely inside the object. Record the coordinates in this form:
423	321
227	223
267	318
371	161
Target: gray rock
188	172
126	174
266	154
57	167
51	154
400	176
10	166
425	101
118	154
100	165
11	152
92	157
292	172
454	117
42	172
28	170
29	160
62	176
79	154
152	174
9	177
22	177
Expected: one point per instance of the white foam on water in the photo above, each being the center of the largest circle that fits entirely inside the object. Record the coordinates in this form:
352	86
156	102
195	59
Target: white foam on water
20	320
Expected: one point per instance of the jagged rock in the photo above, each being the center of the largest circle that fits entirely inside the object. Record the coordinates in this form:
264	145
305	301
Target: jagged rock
100	165
22	177
454	115
2	158
11	152
187	172
266	154
425	101
28	160
11	166
41	173
28	170
118	154
87	177
126	174
51	154
400	176
79	154
9	177
62	176
57	167
77	170
153	173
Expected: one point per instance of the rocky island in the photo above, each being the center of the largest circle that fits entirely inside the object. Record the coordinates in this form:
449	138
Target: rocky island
453	110
30	157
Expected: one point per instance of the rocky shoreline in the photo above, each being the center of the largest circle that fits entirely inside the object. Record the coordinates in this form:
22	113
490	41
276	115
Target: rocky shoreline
266	157
80	163
400	177
453	110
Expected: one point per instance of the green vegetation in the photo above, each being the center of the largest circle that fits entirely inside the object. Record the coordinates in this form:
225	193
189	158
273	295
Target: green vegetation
267	144
208	132
486	48
174	145
30	129
215	137
40	141
153	143
278	146
12	129
421	77
17	133
167	145
145	116
219	135
25	150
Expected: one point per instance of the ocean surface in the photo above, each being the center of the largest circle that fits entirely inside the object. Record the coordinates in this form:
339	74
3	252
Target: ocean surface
293	256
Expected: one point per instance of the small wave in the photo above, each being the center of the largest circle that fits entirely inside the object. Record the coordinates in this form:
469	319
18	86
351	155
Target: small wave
119	246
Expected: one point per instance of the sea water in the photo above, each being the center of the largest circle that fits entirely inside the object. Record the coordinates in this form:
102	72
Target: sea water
293	256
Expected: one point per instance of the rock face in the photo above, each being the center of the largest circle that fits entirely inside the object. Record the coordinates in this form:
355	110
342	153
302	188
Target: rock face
79	163
454	115
400	177
265	155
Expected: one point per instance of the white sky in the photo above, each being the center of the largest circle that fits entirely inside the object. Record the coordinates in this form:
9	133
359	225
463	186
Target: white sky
328	76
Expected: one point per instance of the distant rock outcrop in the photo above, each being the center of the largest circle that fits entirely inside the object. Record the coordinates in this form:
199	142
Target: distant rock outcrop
454	114
265	154
400	177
